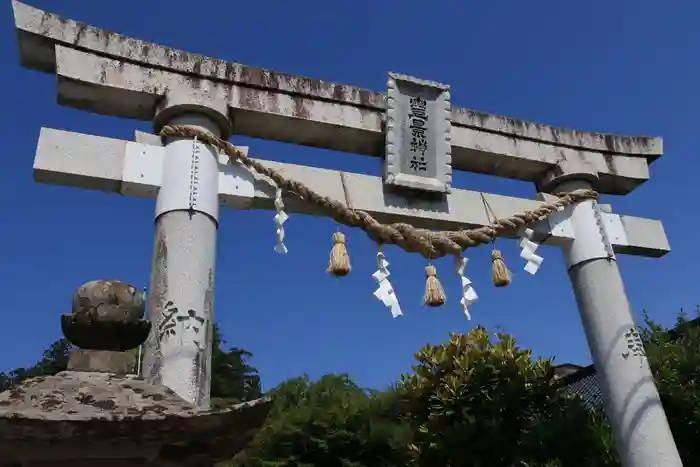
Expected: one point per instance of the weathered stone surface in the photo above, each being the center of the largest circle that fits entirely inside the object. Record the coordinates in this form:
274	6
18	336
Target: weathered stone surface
39	31
108	300
92	408
102	361
79	396
107	315
113	74
83	331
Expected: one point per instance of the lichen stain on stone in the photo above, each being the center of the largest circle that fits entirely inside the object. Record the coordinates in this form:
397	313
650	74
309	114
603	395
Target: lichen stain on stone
103	73
157	408
51	404
105	404
338	92
156	301
196	79
367	98
610	163
558	136
86	399
250	99
300	108
203	358
231	71
259	77
160	274
46	18
610	143
209	297
199	65
80	29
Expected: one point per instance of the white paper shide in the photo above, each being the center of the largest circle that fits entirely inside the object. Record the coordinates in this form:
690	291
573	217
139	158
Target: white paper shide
469	295
280	218
528	251
385	291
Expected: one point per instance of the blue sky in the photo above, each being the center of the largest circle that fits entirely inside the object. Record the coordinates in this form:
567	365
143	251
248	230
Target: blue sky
623	66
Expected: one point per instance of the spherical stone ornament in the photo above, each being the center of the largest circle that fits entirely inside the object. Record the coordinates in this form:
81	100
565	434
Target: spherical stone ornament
108	300
106	315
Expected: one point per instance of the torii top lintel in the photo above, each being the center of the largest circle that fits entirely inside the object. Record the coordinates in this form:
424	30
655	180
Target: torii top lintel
109	73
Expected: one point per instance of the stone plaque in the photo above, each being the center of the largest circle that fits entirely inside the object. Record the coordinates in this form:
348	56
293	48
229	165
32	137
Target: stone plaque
418	146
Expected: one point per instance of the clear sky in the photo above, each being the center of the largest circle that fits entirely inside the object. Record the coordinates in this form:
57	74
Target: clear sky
623	66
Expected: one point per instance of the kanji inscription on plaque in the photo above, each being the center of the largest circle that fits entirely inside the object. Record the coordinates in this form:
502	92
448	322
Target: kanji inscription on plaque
418	147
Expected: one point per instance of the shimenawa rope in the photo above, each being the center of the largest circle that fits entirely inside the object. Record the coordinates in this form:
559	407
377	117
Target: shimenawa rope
430	244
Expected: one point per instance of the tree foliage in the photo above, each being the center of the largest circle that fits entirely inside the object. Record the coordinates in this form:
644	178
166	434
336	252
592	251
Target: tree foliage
54	360
674	356
468	402
331	422
476	400
233	380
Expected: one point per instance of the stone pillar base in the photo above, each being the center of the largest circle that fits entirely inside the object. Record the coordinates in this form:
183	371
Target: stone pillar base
102	361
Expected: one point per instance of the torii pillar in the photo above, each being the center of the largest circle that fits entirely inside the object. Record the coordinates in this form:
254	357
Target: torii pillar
632	403
182	271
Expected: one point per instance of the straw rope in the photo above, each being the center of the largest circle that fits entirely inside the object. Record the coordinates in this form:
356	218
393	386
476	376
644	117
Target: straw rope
430	244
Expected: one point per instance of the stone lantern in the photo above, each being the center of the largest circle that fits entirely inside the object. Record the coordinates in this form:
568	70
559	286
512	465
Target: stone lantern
97	414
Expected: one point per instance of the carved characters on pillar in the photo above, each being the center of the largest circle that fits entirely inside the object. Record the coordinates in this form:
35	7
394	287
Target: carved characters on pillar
176	322
603	231
635	345
194	175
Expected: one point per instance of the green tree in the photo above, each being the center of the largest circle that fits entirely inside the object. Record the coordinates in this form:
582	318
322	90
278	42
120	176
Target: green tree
54	360
674	356
476	403
331	422
571	436
233	380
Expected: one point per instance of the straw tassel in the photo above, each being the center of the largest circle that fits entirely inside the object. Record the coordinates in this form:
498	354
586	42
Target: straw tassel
434	293
499	272
339	261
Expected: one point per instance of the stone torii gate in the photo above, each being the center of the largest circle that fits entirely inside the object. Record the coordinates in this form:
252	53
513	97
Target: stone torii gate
111	74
